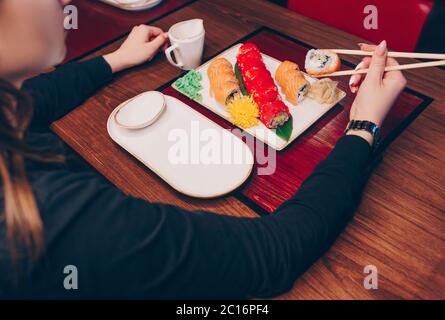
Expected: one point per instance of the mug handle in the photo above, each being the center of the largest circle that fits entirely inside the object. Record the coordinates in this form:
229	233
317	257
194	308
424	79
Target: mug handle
168	54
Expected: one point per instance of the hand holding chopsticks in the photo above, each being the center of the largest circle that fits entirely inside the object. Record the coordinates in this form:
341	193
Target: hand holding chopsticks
393	54
390	68
379	61
432	56
378	91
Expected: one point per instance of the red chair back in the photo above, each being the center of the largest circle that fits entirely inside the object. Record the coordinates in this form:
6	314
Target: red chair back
400	22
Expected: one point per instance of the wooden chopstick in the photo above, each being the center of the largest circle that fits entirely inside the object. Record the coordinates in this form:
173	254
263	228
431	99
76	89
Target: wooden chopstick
390	68
393	54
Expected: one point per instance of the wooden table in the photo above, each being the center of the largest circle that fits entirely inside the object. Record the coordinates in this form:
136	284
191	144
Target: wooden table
400	225
109	23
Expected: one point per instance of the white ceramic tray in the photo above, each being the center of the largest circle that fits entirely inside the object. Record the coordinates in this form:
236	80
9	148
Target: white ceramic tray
133	5
304	114
197	176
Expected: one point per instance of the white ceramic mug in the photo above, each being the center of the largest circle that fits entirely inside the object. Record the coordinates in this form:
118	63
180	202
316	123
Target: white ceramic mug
187	39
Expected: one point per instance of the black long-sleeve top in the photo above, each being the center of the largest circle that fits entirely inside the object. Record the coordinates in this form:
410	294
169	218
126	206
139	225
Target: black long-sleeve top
125	247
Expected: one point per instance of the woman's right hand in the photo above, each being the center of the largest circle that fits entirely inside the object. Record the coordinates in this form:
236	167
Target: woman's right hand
379	89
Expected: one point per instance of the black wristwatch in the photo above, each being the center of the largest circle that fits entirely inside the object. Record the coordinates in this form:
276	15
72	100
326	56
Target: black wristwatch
368	126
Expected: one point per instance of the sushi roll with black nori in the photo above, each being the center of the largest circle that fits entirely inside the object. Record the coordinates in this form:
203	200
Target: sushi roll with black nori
320	62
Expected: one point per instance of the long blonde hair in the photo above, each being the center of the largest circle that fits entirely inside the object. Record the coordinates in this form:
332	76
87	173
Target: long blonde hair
21	215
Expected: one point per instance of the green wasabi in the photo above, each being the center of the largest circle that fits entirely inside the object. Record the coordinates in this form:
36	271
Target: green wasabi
190	84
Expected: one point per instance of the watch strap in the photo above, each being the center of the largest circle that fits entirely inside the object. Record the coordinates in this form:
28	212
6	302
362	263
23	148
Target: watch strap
367	126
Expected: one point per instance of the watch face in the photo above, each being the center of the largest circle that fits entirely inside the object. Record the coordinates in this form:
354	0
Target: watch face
368	126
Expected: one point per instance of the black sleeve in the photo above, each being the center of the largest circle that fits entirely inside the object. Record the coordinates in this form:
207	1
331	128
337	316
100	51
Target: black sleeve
56	93
125	247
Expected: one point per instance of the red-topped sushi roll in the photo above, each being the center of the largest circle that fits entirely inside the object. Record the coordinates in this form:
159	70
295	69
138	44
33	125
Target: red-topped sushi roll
274	114
259	83
248	47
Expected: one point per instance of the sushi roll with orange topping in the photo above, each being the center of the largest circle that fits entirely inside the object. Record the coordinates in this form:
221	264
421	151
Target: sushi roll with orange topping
292	81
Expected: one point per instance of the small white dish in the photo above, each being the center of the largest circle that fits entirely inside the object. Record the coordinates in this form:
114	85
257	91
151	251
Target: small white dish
141	111
133	5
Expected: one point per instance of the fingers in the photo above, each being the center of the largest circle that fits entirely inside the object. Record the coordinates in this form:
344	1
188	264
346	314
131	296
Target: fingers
395	77
157	43
154	32
147	33
392	62
367	47
356	79
378	63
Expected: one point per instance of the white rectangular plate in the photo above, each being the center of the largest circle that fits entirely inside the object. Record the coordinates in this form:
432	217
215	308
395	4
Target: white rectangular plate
180	128
304	114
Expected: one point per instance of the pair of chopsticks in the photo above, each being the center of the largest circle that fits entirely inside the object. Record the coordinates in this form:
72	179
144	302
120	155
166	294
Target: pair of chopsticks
432	56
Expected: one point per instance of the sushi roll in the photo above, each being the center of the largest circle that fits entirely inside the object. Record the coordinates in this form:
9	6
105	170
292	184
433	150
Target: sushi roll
274	114
224	85
248	48
320	62
292	81
260	85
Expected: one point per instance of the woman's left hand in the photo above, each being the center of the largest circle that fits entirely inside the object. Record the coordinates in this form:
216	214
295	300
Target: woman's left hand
143	43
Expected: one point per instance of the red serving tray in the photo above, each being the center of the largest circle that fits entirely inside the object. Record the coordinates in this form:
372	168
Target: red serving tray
265	193
101	23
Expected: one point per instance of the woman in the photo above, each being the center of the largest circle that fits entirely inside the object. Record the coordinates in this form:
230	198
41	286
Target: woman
55	214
